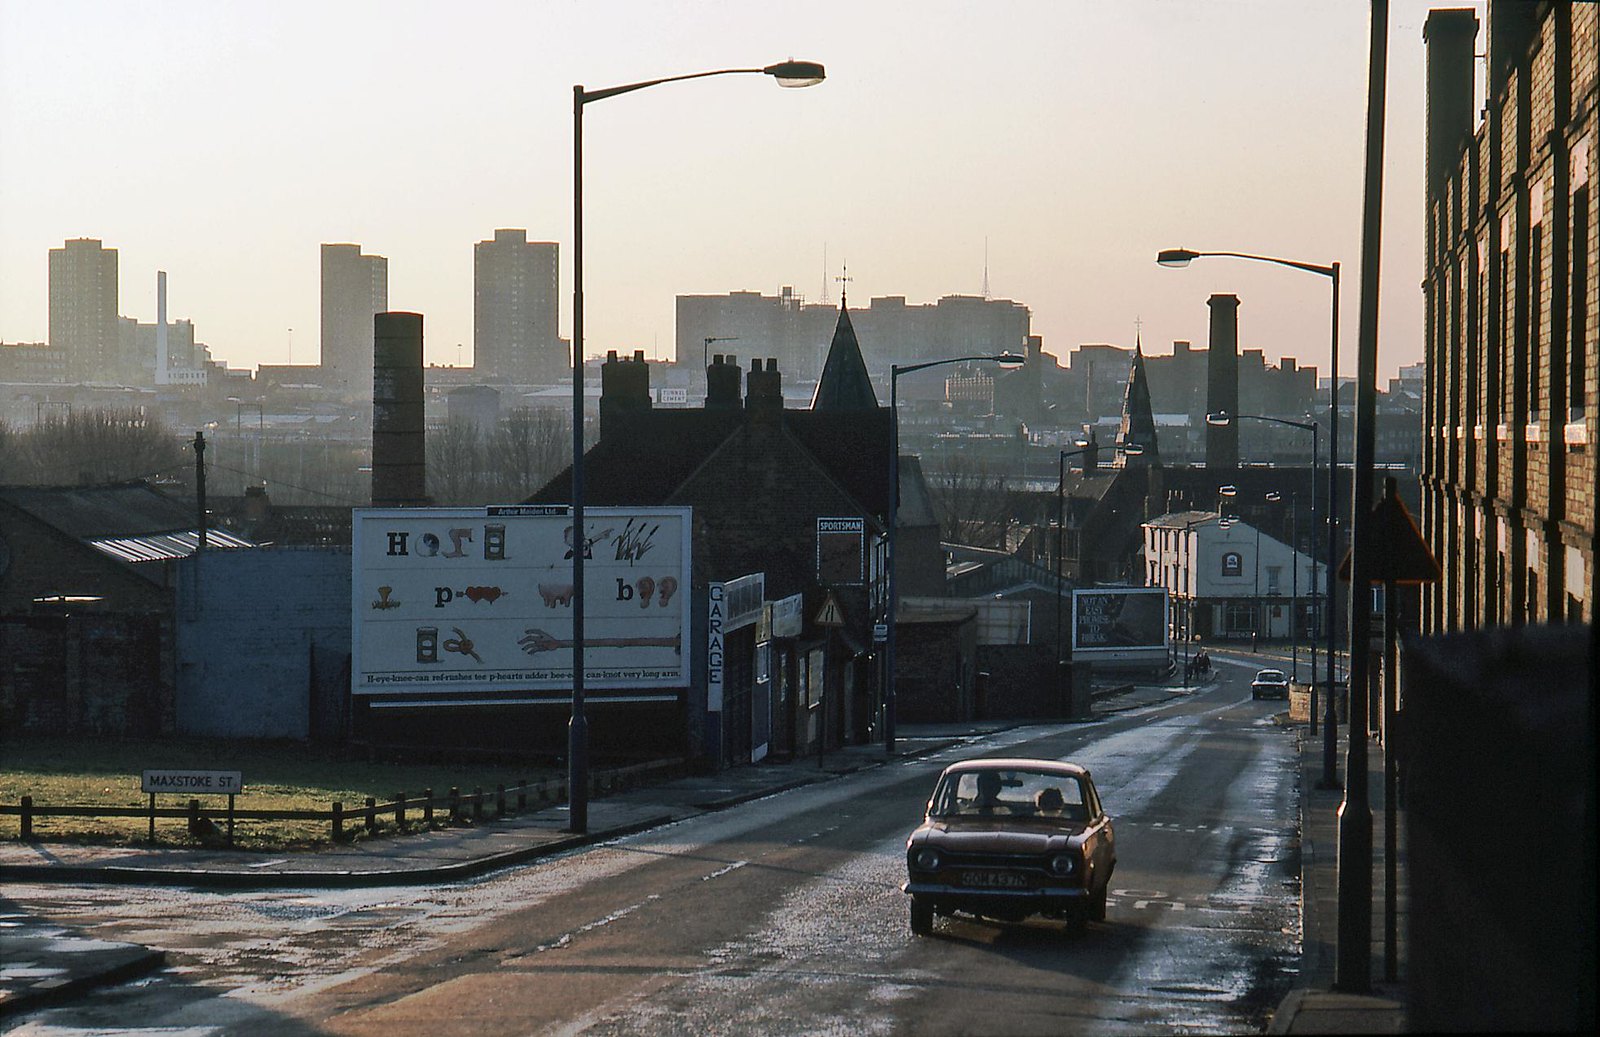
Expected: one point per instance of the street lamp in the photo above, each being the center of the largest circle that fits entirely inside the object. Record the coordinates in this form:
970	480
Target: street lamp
1330	777
1064	649
788	73
1180	257
1006	359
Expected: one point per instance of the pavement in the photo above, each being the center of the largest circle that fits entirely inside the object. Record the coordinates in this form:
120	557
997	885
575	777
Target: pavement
41	963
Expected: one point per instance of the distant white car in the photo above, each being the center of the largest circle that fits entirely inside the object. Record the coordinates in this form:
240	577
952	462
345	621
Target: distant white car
1270	684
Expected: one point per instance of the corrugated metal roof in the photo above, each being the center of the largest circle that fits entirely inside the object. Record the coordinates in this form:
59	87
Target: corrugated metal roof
163	546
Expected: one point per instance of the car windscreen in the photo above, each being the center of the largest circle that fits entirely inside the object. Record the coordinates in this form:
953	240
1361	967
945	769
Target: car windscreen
1010	793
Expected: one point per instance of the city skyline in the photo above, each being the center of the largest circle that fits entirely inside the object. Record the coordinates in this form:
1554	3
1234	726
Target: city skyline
1046	168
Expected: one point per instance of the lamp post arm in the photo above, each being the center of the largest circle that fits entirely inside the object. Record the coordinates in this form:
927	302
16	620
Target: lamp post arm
582	97
1303	426
896	370
1313	268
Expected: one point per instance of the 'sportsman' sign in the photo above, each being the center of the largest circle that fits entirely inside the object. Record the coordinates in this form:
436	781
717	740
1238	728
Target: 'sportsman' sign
195	783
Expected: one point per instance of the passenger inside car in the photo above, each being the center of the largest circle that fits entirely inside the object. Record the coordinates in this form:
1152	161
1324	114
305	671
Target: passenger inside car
1049	802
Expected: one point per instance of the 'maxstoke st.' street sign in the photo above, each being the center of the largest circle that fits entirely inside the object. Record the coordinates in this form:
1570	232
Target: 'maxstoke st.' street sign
194	783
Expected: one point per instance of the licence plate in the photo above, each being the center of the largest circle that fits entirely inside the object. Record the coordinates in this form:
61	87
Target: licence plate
993	880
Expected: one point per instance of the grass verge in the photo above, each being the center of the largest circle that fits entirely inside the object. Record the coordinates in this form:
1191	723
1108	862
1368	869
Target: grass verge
277	776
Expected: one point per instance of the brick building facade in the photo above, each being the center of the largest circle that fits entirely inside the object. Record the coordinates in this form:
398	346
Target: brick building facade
1510	403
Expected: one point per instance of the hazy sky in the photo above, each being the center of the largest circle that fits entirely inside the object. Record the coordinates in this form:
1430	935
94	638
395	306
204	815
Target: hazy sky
222	142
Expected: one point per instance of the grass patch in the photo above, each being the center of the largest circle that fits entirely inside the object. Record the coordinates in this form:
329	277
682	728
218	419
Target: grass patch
277	776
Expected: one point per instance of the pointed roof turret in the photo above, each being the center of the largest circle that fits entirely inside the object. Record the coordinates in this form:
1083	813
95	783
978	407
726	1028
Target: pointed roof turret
1138	420
844	385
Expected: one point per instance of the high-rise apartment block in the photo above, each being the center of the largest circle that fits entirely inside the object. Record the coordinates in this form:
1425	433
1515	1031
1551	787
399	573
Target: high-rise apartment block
83	309
515	309
354	288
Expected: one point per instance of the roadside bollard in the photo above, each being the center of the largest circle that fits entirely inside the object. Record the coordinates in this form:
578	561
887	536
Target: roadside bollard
427	807
27	817
372	814
338	821
499	801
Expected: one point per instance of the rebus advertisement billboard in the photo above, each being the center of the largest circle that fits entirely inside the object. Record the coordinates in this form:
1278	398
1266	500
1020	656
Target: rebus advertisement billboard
1127	625
449	600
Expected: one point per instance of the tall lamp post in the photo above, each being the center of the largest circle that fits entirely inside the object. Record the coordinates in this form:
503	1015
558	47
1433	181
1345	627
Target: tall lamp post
895	371
787	73
1179	257
1330	723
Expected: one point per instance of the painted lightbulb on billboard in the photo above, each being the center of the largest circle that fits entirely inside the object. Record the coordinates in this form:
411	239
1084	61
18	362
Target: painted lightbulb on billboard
471	599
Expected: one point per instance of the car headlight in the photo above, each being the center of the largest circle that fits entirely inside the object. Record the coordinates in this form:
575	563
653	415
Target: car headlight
926	859
1063	864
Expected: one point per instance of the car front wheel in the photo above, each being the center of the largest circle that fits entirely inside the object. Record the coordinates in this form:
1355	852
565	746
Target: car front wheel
921	917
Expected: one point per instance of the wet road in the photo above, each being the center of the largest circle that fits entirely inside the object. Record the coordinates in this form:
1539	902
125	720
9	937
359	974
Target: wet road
781	916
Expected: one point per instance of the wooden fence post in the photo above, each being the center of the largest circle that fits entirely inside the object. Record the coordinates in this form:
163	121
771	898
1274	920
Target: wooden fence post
338	821
477	803
522	794
455	803
427	807
400	810
27	817
372	814
500	801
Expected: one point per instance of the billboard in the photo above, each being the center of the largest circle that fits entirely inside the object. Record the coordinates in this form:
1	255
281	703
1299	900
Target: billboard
449	600
1120	624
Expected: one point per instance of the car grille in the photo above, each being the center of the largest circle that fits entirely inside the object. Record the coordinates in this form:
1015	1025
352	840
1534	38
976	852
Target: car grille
1010	861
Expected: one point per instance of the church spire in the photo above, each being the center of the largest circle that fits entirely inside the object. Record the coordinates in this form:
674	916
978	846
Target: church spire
844	384
1138	419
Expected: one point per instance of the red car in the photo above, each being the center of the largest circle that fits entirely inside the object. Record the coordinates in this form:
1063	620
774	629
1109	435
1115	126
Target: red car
1008	839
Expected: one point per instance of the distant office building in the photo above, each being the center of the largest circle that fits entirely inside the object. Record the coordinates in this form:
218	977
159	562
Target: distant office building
354	287
893	332
83	309
781	327
515	309
1510	401
797	334
31	363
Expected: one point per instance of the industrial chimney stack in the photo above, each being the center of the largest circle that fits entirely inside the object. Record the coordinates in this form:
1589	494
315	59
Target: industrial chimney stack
399	450
1222	382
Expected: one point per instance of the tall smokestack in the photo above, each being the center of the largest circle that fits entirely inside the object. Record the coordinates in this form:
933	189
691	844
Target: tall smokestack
161	327
1222	381
399	452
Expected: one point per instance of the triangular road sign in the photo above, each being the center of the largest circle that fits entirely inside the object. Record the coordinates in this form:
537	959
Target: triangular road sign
830	615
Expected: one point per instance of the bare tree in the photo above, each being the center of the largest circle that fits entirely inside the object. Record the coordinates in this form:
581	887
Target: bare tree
91	446
458	463
974	505
531	447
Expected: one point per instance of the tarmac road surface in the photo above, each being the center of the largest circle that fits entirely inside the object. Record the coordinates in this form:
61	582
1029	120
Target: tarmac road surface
780	916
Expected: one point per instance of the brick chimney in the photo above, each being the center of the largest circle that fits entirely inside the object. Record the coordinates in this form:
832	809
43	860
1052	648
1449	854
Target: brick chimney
722	383
1451	38
624	390
763	388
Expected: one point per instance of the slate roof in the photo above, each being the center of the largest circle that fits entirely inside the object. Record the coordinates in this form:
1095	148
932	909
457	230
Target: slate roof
665	447
131	522
97	512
